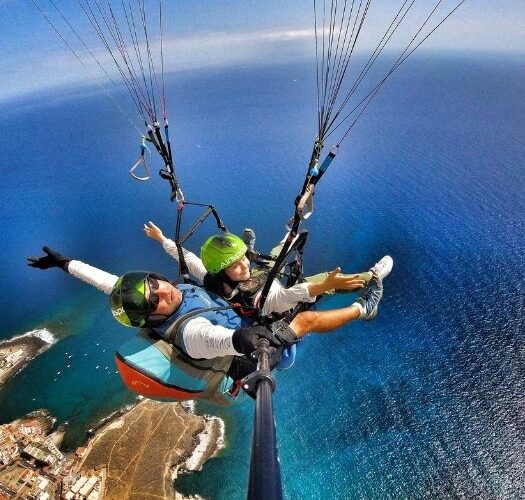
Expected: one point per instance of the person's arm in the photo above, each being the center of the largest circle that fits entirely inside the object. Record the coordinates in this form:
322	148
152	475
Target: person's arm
282	299
334	280
195	265
200	339
93	276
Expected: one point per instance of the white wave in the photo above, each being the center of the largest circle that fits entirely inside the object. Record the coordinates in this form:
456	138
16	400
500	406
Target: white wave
189	406
42	333
220	440
205	444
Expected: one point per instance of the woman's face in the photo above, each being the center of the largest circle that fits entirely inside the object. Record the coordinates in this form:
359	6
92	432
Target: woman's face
239	270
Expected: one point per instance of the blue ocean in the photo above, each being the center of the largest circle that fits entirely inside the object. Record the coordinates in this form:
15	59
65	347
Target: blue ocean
426	401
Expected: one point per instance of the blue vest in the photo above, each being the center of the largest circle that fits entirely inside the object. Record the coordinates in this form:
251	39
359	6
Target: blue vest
197	302
160	369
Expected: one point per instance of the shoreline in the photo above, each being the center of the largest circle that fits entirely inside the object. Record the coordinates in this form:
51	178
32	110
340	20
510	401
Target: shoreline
17	352
167	437
41	333
209	443
146	446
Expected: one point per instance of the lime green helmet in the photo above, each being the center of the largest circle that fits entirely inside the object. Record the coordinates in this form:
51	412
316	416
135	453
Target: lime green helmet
221	251
128	301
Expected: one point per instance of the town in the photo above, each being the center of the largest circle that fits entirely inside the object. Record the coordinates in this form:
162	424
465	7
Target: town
32	467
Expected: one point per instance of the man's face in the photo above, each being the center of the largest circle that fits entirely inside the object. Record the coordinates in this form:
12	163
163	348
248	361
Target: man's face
169	296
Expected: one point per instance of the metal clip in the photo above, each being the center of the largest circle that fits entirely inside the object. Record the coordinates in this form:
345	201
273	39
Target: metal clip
141	162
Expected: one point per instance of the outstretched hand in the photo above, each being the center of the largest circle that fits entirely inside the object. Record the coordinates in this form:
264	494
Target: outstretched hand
154	232
51	259
338	281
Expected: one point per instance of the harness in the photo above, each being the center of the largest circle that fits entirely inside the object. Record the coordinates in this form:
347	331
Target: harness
243	298
159	368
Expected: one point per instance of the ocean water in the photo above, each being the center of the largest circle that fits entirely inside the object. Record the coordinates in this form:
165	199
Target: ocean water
427	401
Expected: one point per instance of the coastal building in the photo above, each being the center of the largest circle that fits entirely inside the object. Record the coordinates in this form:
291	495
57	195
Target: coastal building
8	446
42	454
81	482
86	488
9	358
89	486
25	481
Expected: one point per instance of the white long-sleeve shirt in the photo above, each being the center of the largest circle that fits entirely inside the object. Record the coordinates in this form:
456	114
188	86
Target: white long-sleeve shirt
279	299
200	338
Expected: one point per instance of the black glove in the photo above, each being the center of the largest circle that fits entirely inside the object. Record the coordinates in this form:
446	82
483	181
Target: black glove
246	340
284	333
52	259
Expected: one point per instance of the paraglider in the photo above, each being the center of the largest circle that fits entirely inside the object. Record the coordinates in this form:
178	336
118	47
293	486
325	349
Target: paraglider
337	29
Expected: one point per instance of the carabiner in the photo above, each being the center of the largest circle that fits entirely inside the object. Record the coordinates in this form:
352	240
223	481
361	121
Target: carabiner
141	161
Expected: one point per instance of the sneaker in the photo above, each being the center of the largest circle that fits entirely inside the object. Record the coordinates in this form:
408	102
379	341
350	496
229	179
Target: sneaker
382	269
369	300
248	236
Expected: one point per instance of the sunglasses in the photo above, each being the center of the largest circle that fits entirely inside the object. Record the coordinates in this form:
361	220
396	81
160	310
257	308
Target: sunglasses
153	298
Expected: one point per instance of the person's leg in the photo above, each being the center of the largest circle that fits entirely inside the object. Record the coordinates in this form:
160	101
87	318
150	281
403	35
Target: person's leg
325	321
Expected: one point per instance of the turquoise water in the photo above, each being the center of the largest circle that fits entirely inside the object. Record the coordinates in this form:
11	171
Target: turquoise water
424	402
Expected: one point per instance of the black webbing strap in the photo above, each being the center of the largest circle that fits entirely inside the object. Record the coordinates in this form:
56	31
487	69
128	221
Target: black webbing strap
314	160
210	210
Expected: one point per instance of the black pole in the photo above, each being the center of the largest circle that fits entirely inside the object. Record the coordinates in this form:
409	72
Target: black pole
265	473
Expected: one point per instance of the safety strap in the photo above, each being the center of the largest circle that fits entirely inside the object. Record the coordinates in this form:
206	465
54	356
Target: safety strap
303	209
179	241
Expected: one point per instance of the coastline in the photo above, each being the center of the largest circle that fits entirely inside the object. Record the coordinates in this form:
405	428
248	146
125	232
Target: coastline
18	351
147	446
208	443
143	447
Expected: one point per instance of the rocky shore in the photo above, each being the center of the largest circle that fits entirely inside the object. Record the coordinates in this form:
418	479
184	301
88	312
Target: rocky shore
17	352
138	451
145	449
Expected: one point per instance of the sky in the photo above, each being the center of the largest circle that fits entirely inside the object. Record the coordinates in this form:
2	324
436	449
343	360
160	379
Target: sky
199	34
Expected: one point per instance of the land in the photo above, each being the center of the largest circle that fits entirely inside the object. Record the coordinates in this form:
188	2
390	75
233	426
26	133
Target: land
16	353
137	454
146	448
31	464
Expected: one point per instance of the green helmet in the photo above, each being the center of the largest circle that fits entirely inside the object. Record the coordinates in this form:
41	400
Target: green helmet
221	251
128	301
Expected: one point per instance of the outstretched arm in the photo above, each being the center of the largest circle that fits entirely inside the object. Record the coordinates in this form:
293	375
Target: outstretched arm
93	276
282	299
154	232
195	265
334	280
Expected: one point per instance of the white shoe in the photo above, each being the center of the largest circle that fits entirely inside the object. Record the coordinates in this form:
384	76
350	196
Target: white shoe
382	269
